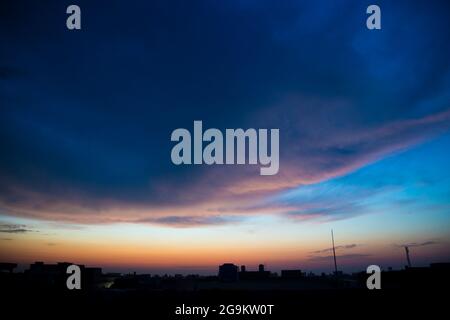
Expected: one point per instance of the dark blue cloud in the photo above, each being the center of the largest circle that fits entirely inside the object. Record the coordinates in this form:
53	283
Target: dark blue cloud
86	116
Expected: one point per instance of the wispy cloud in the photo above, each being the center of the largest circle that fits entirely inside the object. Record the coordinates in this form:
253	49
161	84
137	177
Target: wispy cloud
191	221
348	246
317	255
340	257
419	244
14	228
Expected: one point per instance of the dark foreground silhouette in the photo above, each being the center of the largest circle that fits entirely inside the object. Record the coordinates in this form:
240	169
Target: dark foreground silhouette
42	291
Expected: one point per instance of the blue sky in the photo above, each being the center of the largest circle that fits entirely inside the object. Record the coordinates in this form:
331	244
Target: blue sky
364	116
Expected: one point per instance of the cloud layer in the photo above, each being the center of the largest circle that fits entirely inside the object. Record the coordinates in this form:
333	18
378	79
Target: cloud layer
13	228
86	117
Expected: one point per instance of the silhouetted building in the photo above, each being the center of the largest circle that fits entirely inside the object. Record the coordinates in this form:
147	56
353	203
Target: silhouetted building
55	275
261	274
92	276
228	272
7	267
39	268
444	266
242	268
48	275
291	274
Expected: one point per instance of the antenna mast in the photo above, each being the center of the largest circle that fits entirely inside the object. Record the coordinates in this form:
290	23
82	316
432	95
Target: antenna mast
407	256
334	254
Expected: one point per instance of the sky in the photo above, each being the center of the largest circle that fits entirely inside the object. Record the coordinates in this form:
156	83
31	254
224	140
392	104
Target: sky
86	118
